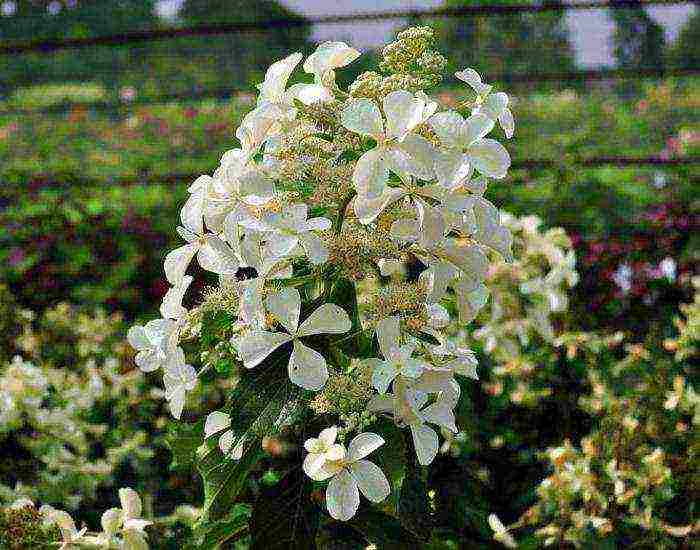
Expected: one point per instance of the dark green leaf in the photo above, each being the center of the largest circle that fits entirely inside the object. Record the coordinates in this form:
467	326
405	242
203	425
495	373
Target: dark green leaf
213	535
183	440
284	515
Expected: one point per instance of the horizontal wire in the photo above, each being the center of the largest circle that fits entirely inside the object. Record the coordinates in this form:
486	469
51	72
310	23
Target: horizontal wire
223	93
47	180
51	45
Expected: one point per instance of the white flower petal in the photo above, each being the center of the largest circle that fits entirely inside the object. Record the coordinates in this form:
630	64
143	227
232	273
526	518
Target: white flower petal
309	94
475	128
285	305
363	444
276	77
371	480
414	156
507	122
254	347
313	462
171	307
371	174
250	307
447	126
490	158
441	414
383	373
342	496
327	319
130	502
177	261
215	422
426	443
367	209
315	248
362	116
403	112
328	436
192	213
318	224
216	256
471	77
451	168
307	367
329	56
388	335
326	470
256	188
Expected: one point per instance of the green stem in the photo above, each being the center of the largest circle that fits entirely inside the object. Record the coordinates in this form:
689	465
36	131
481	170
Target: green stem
338	226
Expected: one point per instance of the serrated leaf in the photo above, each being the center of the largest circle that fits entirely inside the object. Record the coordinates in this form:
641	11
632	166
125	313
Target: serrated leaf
184	440
231	527
262	402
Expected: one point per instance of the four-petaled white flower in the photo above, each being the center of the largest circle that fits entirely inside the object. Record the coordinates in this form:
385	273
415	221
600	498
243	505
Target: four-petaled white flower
465	146
217	422
398	360
150	341
350	475
495	106
398	150
213	254
322	449
307	368
179	378
291	229
409	409
126	520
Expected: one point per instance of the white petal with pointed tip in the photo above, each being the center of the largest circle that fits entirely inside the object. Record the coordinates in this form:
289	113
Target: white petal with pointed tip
426	443
215	422
307	367
371	480
383	373
367	209
363	444
371	174
362	116
403	113
388	334
327	319
490	158
342	496
285	305
254	347
177	261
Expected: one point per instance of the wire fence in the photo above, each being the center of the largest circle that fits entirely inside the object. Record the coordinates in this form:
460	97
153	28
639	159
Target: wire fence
226	92
44	46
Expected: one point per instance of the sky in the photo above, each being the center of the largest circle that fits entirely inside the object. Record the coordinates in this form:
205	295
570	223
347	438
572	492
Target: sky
590	30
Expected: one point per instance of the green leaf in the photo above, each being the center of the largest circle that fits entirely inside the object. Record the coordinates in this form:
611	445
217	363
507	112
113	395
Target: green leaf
382	530
390	457
184	440
414	510
231	527
284	516
344	294
263	401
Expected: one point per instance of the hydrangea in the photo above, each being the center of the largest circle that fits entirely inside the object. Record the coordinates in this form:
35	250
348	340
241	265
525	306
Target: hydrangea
348	472
277	222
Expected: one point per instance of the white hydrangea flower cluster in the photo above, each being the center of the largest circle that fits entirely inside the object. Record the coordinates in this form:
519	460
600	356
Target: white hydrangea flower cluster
121	527
418	174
